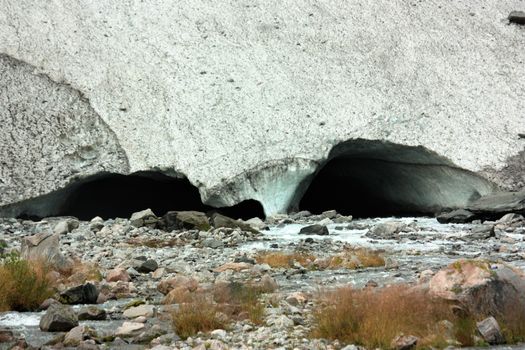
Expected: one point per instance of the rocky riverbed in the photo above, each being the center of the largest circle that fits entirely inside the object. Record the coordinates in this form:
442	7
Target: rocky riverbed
128	275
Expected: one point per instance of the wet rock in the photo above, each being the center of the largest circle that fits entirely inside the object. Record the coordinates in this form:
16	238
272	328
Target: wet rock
141	310
517	17
481	232
329	214
490	331
495	205
58	318
511	218
480	287
188	220
404	342
387	230
142	218
118	274
219	220
459	216
45	247
92	313
146	266
83	294
314	230
149	334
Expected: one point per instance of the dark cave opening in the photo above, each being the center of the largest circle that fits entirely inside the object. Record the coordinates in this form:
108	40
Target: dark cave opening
367	178
115	195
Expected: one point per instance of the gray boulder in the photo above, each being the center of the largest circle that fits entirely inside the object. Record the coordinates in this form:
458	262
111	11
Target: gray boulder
497	204
387	230
320	230
83	294
146	266
219	220
188	220
45	247
58	318
92	313
145	217
459	216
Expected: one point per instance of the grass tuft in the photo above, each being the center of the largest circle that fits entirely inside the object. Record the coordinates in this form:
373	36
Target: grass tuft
24	284
285	260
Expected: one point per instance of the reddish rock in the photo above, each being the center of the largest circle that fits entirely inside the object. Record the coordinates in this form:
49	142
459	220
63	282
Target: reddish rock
118	274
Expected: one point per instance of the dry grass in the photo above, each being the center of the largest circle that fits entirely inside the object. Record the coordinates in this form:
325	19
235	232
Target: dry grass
239	301
24	285
373	318
355	258
281	259
80	272
199	315
216	308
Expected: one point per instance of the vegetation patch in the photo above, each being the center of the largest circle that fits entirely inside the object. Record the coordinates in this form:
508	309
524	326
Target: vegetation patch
24	284
284	260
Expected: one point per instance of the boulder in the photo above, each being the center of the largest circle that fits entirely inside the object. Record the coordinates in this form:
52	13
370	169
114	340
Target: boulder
146	266
6	335
387	230
145	217
320	230
82	294
58	318
493	206
404	342
129	328
118	274
91	313
490	331
219	220
458	216
180	281
481	232
75	336
481	287
184	220
212	243
45	247
65	226
141	310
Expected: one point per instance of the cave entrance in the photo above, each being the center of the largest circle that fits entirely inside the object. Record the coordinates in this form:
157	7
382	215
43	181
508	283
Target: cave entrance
367	178
115	195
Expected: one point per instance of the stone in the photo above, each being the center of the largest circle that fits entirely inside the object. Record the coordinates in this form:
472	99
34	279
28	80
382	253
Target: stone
145	217
495	205
45	247
244	259
481	287
212	243
490	331
76	335
180	281
141	310
481	231
58	318
257	224
320	230
219	220
82	294
147	266
234	267
329	214
129	328
458	216
185	220
118	274
218	333
296	298
517	17
387	230
511	218
137	126
404	342
6	335
91	313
